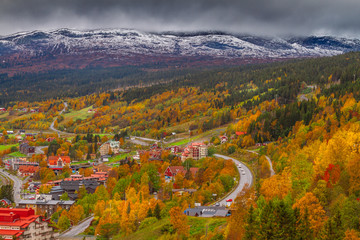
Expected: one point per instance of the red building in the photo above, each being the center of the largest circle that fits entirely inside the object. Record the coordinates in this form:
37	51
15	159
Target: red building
195	151
27	170
21	223
172	171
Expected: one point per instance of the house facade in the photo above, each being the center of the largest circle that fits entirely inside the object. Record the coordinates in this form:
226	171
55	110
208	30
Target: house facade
17	223
105	148
58	162
25	148
27	170
195	151
42	206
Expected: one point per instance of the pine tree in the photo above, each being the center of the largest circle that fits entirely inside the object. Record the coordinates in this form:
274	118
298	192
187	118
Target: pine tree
250	225
157	211
149	213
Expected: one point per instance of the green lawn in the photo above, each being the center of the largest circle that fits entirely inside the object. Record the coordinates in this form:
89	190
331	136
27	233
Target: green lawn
17	154
120	156
81	162
198	225
197	228
153	231
5	147
80	114
184	141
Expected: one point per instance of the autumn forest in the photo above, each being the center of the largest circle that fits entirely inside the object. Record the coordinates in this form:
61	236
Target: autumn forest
303	115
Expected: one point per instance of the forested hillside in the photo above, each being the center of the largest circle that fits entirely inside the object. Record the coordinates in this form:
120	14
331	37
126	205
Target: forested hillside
304	115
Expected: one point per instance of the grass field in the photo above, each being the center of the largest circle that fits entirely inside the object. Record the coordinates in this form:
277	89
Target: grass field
197	228
17	154
120	156
80	114
5	147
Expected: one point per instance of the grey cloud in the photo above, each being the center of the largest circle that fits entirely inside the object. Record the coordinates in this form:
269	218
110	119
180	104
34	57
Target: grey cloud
262	17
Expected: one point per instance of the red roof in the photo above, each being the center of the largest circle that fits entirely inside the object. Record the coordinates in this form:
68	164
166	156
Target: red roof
53	160
177	169
20	217
28	169
16	233
240	133
22	212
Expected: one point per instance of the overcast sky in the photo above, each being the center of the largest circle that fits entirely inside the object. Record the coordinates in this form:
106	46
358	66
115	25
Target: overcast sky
261	17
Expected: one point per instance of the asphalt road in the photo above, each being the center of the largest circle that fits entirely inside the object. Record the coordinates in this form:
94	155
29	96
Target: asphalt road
39	149
76	230
17	185
272	172
52	124
247	178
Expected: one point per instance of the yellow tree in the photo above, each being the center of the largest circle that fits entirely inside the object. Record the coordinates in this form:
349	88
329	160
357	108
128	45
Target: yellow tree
75	214
353	168
278	185
237	221
179	221
310	204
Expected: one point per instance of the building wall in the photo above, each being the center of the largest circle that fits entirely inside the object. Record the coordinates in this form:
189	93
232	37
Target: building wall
40	230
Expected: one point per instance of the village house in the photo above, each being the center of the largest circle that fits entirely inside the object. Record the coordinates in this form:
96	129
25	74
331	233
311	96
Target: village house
109	146
57	163
195	151
42	206
208	211
172	171
223	139
25	148
15	163
19	223
2	109
72	185
175	149
27	170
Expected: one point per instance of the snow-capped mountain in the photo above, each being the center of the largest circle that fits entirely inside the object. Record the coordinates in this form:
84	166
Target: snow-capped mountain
117	45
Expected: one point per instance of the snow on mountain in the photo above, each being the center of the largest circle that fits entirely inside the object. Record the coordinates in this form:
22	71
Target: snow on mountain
125	42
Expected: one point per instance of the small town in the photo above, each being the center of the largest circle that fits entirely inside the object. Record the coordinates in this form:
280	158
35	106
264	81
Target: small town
179	120
50	177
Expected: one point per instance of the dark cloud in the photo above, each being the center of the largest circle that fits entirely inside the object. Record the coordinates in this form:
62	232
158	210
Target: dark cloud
263	17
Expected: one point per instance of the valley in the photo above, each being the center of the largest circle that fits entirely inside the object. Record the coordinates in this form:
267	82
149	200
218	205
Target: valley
215	152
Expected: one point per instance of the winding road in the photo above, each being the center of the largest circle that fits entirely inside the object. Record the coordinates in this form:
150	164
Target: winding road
272	172
17	185
247	178
76	230
52	124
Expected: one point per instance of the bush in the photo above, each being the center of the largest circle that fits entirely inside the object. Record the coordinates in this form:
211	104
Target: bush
147	221
167	228
211	151
14	149
231	149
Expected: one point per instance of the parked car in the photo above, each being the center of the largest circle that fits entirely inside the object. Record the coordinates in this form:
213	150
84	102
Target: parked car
229	200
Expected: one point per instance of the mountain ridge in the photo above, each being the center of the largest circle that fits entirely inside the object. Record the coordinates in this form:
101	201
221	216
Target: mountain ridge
67	48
